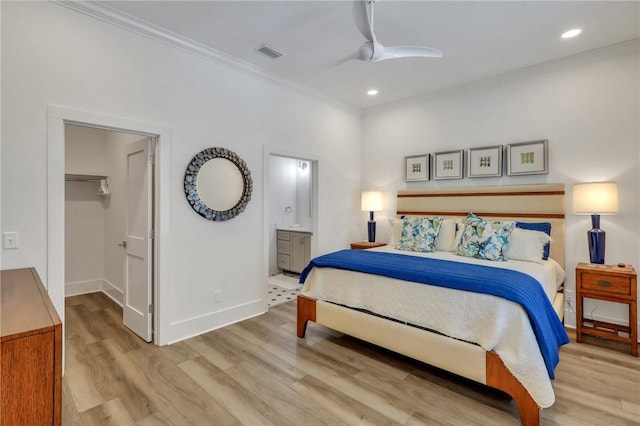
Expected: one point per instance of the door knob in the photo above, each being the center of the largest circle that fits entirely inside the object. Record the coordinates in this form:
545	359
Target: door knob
123	244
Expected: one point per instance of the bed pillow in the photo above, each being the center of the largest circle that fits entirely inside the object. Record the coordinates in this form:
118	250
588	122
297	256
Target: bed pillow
420	233
538	226
527	245
446	236
484	239
396	231
458	238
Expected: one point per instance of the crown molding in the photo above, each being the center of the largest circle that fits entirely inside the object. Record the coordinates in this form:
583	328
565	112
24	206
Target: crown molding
154	32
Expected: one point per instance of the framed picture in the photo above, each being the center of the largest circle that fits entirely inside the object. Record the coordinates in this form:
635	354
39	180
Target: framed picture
448	165
528	158
485	162
416	167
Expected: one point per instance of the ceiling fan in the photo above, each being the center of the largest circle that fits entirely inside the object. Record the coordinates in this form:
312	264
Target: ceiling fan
372	50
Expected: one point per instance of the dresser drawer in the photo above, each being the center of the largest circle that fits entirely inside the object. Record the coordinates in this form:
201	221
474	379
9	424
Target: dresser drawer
284	235
606	284
284	261
283	247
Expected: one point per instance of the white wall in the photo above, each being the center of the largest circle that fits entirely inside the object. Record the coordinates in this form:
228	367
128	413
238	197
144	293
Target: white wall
54	56
586	106
84	238
282	194
303	193
85	150
282	171
289	187
84	211
1	249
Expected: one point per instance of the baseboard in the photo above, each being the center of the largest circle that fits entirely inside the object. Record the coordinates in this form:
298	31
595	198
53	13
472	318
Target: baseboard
94	286
113	292
82	287
185	329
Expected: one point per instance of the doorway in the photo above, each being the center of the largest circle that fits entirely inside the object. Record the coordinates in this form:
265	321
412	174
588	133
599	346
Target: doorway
292	221
109	216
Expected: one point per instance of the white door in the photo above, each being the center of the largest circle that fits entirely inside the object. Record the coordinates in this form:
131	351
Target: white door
139	240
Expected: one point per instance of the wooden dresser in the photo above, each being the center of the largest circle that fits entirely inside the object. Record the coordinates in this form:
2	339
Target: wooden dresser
30	351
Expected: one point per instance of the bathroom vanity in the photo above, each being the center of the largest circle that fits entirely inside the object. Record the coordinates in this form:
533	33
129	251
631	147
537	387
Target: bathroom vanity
294	248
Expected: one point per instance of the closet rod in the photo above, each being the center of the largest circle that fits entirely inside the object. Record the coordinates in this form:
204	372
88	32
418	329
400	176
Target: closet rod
83	178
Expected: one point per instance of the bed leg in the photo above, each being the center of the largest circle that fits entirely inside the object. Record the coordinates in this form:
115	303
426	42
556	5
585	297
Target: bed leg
306	312
499	377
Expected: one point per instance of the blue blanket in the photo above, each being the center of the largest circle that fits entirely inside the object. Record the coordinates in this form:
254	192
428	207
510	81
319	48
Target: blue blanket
508	284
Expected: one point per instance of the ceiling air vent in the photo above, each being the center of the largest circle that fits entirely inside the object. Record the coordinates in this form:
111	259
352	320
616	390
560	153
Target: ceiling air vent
269	51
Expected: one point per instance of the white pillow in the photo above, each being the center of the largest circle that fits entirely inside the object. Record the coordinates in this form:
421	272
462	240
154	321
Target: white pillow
458	237
446	236
396	231
527	245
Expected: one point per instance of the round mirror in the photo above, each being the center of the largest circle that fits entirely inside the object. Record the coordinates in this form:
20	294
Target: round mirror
218	184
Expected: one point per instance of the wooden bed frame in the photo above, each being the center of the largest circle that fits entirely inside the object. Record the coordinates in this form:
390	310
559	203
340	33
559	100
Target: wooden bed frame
526	203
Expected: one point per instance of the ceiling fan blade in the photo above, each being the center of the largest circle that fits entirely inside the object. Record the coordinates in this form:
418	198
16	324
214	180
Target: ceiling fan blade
365	53
355	55
361	18
397	52
372	50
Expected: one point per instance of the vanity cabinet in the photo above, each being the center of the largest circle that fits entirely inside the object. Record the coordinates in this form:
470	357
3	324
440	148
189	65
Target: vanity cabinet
294	250
30	352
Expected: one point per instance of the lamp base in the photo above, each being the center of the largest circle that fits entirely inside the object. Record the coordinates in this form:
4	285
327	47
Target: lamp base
371	231
371	228
597	241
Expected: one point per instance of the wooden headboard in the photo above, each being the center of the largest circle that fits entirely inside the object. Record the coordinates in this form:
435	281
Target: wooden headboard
525	203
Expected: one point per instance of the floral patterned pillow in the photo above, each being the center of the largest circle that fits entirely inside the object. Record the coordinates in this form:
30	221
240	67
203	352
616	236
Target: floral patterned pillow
485	240
420	233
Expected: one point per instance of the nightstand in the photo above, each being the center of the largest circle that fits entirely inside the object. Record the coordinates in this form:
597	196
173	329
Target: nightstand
613	284
362	245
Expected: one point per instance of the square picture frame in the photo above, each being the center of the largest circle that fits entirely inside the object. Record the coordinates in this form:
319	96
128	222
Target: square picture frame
416	167
448	164
528	158
484	162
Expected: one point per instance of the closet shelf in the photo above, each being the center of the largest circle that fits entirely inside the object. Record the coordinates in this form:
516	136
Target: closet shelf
102	181
83	178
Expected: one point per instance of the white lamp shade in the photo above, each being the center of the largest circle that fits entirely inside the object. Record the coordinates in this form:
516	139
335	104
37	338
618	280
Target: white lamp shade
595	198
371	201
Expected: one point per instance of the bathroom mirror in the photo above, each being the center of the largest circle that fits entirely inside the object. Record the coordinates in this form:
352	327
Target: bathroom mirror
218	184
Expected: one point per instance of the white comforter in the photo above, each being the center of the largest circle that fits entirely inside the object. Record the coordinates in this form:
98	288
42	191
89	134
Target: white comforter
493	323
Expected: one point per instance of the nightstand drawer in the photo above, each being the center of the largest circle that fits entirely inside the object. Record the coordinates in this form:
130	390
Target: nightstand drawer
606	284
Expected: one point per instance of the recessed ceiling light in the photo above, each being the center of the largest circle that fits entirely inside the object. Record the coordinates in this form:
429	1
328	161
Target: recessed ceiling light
372	92
571	33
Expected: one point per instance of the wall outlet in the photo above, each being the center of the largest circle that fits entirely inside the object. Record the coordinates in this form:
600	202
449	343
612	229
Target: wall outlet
217	296
568	301
10	240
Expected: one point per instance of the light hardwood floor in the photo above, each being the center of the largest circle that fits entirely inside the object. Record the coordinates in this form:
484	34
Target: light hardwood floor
258	372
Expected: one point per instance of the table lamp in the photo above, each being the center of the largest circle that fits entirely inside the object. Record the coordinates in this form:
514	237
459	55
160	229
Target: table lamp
595	198
371	201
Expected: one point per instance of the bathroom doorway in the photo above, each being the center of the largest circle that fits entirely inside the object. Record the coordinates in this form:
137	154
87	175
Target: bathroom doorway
291	223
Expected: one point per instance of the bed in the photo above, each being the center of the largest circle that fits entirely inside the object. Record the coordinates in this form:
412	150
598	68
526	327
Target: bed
508	360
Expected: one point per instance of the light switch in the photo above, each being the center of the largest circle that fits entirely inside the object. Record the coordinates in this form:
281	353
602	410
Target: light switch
10	240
